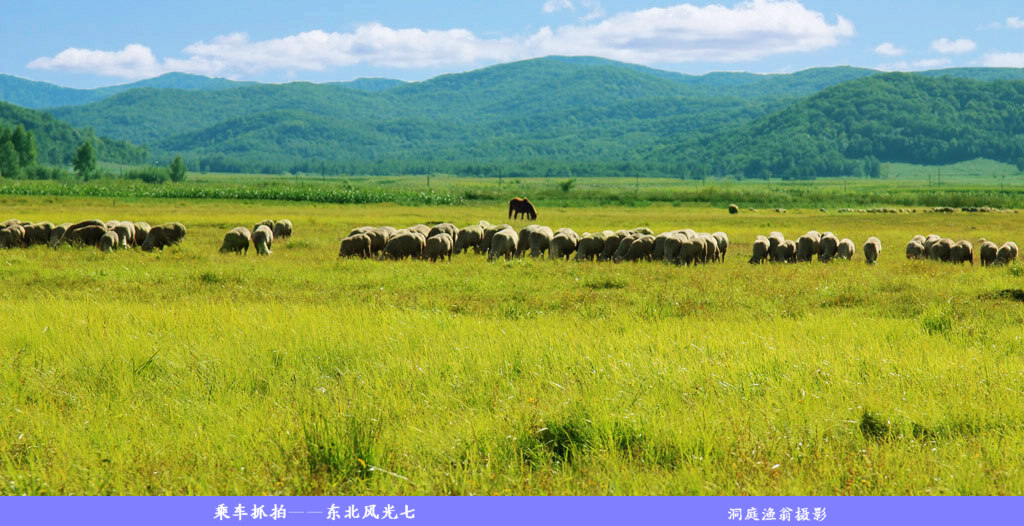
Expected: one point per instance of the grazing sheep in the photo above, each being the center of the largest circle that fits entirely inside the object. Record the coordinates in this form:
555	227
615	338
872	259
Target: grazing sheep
562	245
623	248
643	231
774	240
361	230
827	247
355	245
987	253
540	240
640	249
692	251
141	232
723	243
268	222
485	245
108	241
443	228
929	242
378	239
523	239
659	244
670	248
37	233
807	246
421	229
568	232
405	245
12	236
88	235
846	249
733	209
611	245
283	229
237	240
165	235
57	233
915	250
504	244
125	234
439	245
711	253
590	246
1007	253
872	248
941	248
785	252
262	239
471	236
962	251
760	250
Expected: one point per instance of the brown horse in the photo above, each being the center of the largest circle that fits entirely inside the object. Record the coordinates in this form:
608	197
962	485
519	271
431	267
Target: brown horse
521	205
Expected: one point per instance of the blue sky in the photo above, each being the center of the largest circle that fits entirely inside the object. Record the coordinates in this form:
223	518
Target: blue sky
88	44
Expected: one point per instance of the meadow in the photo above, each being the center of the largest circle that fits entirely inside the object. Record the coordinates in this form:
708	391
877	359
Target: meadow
974	183
194	372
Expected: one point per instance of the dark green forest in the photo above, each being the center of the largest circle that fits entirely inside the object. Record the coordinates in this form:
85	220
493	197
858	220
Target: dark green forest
555	117
56	141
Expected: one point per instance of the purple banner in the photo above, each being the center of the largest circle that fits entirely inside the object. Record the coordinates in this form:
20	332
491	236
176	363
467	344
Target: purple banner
834	511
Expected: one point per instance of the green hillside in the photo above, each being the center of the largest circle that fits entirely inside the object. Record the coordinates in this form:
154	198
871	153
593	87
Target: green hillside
57	141
40	95
561	116
849	128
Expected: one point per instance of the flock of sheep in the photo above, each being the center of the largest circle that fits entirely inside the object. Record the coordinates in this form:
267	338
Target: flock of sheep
826	247
106	236
940	248
262	236
684	246
681	247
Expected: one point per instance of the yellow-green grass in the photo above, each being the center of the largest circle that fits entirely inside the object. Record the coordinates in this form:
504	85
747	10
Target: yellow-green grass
194	372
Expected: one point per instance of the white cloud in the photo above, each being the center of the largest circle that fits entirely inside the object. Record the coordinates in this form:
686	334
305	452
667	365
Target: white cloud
889	50
1003	60
687	33
1015	23
961	45
683	33
135	60
557	5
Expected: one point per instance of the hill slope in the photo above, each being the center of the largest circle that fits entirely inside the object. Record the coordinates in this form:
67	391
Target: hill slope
39	95
895	117
575	114
57	141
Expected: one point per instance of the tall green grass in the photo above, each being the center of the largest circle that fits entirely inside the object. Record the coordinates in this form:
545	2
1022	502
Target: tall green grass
194	372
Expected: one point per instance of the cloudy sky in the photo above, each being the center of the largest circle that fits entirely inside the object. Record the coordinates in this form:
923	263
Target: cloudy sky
95	43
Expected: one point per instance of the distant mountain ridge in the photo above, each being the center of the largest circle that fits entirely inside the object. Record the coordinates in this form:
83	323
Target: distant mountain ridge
556	114
42	95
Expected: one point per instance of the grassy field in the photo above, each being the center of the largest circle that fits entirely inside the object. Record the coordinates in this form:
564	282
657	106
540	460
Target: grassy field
975	183
192	372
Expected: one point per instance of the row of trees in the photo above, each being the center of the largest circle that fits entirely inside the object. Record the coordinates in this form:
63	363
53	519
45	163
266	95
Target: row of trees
17	151
85	166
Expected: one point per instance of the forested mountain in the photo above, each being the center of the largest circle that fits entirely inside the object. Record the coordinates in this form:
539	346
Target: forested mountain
39	95
574	115
56	141
847	129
